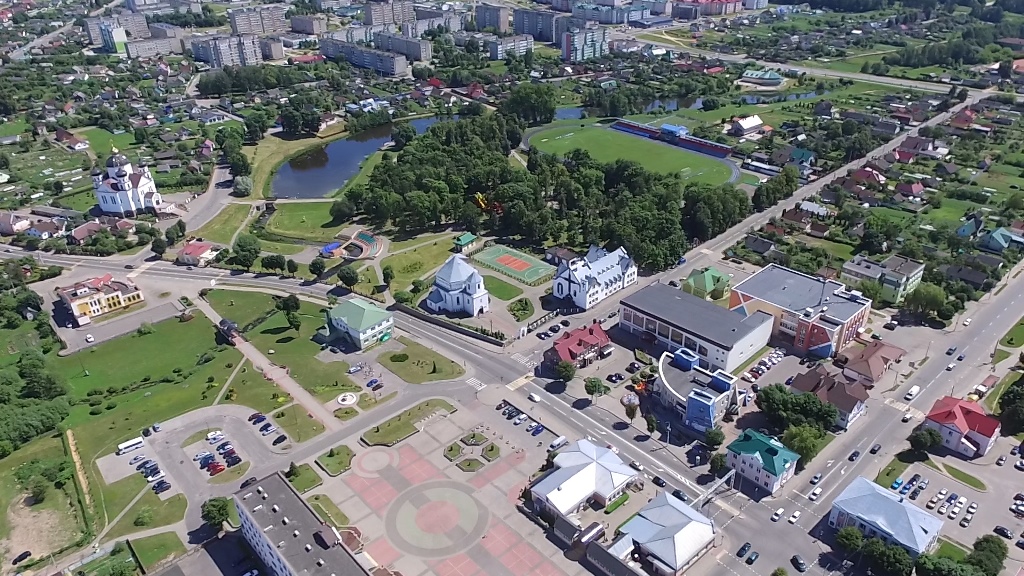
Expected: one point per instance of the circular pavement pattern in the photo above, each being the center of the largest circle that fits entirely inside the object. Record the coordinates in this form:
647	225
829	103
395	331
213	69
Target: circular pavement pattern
370	462
435	519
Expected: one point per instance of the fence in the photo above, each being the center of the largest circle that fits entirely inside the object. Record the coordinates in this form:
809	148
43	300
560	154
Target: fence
450	325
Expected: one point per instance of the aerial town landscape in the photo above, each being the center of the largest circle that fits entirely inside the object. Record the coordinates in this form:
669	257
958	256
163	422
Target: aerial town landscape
511	288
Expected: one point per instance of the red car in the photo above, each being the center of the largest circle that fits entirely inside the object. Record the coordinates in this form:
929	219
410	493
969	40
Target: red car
216	471
254	416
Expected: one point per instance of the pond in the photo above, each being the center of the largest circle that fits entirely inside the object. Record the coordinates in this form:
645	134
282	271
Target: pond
320	171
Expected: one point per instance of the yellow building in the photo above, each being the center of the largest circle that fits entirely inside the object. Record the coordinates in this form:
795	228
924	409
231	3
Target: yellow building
98	296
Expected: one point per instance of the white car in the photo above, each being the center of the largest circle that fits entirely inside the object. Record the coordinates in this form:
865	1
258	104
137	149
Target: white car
972	508
961	502
933	502
214	439
520	419
943	508
794	517
270	431
137	459
613	449
1019	465
252	573
954	512
778	514
967	322
89	338
531	426
636	466
942	493
200	456
907	417
814	495
951	366
155	477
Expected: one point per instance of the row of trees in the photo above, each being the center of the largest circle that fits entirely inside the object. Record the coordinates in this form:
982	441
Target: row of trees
776	189
985	559
244	79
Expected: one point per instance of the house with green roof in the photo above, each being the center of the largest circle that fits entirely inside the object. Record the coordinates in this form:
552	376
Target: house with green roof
466	242
709	284
361	322
761	459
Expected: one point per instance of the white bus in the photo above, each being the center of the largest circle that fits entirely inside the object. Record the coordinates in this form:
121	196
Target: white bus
133	444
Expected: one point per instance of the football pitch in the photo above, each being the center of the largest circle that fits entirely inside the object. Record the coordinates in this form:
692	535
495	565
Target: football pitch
607	145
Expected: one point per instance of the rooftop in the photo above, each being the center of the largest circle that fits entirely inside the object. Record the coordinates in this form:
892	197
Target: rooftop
359	314
796	292
670	530
583	469
890	513
572	343
101	284
830	389
598	267
963	415
195	249
874	359
774	456
308	546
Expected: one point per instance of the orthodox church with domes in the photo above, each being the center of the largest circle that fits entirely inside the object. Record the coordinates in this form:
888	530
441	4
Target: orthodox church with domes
124	189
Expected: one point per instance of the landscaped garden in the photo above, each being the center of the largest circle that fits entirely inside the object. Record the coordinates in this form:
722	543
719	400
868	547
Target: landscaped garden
328	510
303	478
453	451
469	464
417	364
149	512
346	413
336	460
368	400
297	423
1015	337
410	265
500	289
491	452
400	427
231	474
223	226
521	309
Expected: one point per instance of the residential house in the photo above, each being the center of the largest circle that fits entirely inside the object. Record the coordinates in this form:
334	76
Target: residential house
95	297
914	189
971	276
196	254
361	322
881	513
898	275
972	226
964	426
466	242
11	224
707	284
800	158
591	279
558	256
579	347
868	176
824	110
869	366
763	247
849	398
70	140
746	126
458	288
921	146
46	229
818	230
984	262
762	460
947	169
999	240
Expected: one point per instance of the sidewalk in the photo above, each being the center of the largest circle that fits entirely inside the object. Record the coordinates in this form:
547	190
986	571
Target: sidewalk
277	374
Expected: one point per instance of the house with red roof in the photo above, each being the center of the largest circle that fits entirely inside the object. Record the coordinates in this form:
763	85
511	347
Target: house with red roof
196	254
580	346
964	119
964	426
910	188
868	176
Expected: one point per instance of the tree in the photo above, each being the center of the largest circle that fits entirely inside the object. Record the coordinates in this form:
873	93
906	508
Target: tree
924	440
595	387
289	303
988	555
528	59
215	511
388	274
274	262
144	517
342	210
158	246
929	565
531	103
348	276
172	235
293	470
37	488
717	463
294	322
652	423
402	133
317	267
850	539
714	438
779	572
565	371
242	186
239	165
256	125
140	135
803	439
630	412
246	250
292	267
926	299
871	289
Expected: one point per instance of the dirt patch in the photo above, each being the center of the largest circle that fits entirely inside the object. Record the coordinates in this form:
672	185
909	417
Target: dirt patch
40	531
83	480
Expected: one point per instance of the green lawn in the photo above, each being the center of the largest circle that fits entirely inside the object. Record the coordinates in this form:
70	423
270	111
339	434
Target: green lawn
101	142
999	356
104	564
607	145
285	249
892	214
414	263
893	470
398	245
305	479
340	462
163	513
950	212
222	227
328	510
251	389
403	425
13	128
299	425
230	475
423	365
83	201
500	289
367	401
155	549
240	306
951	550
305	220
836	249
992	398
965	477
196	437
1015	337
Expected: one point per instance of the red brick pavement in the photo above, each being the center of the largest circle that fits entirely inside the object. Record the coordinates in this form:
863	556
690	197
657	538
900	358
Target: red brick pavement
458	565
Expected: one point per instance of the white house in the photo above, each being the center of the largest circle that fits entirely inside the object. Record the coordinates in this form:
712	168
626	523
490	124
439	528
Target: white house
458	288
963	425
590	279
359	321
762	460
881	513
125	189
583	472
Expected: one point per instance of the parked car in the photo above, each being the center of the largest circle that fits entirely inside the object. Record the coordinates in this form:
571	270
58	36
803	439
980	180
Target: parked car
1004	532
21	557
537	431
531	426
778	514
260	420
799	563
254	416
816	478
658	481
743	550
224	447
144	464
752	558
680	495
794	517
137	459
279	439
814	494
249	482
201	456
896	484
265	427
269	431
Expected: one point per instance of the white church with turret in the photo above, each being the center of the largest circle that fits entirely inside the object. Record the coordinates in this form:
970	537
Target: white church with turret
124	189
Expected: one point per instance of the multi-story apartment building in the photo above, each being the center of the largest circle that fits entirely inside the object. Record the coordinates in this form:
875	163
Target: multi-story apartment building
566	23
412	48
898	275
657	7
153	47
114	38
610	14
164	30
272	48
134	26
447	20
95	297
330	5
313	24
492	16
586	43
537	23
364	34
222	50
164	6
389	12
385	63
500	48
268	19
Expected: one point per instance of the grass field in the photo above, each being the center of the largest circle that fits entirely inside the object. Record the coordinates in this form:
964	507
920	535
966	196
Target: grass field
398	245
964	477
423	365
992	398
951	550
240	306
103	565
156	548
13	128
305	479
1014	338
338	463
403	425
836	249
101	141
893	470
414	263
368	401
606	145
500	289
297	423
163	513
328	510
222	227
251	389
82	201
231	474
306	220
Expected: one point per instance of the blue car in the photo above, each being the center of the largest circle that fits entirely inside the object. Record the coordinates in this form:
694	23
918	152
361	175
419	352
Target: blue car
906	488
259	420
537	430
896	483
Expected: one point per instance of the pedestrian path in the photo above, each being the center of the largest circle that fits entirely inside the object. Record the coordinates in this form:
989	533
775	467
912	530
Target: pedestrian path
519	382
476	383
524	360
904	407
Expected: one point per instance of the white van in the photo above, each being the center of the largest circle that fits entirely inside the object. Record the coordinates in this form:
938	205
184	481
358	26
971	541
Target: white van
557	443
533	397
912	393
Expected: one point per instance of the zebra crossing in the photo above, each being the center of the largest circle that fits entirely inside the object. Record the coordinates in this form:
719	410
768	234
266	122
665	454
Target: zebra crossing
476	384
524	360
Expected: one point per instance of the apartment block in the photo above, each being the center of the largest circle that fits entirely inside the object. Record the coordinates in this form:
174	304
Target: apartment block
363	34
164	30
610	14
220	51
114	38
579	45
389	12
258	19
537	23
153	47
329	5
385	63
315	24
501	48
164	6
134	26
413	49
492	16
272	48
447	20
566	23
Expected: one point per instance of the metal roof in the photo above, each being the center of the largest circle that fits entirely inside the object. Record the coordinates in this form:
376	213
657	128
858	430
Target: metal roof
889	513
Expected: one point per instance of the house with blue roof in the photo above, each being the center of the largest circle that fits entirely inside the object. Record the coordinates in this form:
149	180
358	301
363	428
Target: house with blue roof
999	240
971	227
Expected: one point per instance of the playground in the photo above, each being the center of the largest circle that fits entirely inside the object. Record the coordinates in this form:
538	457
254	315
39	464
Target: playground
607	145
515	264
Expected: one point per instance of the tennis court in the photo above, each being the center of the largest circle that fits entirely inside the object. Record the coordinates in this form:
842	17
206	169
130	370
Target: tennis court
515	264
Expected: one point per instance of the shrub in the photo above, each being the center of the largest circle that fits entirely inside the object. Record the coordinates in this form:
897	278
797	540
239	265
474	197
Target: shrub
399	357
110	405
96	411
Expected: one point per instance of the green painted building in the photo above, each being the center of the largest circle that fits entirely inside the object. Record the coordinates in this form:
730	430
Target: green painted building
709	284
361	322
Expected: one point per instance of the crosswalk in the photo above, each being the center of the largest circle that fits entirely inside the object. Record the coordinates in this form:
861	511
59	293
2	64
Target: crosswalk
519	382
904	407
524	360
476	384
